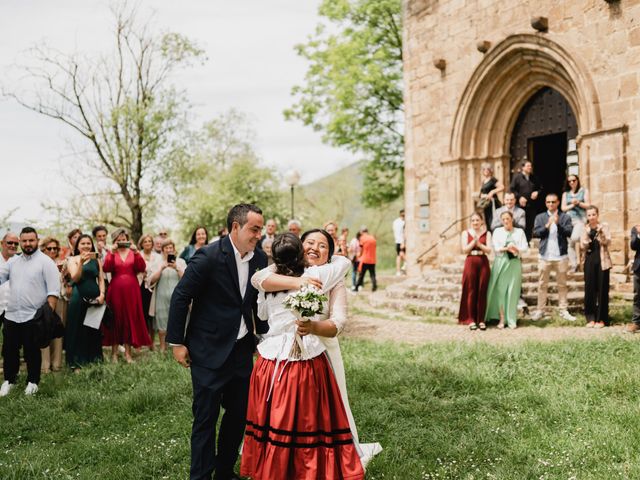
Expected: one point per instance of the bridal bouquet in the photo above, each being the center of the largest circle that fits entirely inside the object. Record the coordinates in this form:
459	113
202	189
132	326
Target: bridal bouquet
305	303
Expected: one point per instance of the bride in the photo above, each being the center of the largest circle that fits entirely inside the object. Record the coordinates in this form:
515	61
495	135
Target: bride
318	250
297	426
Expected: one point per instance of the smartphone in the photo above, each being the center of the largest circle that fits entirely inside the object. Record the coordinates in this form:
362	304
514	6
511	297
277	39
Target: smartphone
171	258
93	254
124	244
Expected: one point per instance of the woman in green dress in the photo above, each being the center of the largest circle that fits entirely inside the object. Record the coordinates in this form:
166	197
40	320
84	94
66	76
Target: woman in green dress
505	283
166	276
83	344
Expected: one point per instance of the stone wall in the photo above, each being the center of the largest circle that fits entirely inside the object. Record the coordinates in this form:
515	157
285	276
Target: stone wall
463	115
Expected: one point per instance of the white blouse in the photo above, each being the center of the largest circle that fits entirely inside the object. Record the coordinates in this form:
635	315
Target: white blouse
518	237
277	343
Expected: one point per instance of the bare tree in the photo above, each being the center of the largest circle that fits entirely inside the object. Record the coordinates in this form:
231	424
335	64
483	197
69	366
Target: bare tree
120	104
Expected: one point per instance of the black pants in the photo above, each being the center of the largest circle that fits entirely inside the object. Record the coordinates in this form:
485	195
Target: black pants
596	290
228	387
18	335
636	298
371	268
530	212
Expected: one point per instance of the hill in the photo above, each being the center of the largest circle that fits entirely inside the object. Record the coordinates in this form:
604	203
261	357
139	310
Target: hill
337	197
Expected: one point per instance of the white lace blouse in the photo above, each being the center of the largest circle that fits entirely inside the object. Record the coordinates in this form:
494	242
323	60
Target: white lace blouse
277	343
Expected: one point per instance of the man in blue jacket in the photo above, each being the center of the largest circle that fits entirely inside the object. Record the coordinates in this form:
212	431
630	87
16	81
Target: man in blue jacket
634	326
219	341
553	228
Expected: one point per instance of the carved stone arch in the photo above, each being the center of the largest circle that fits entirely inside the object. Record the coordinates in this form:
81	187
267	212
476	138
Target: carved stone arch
508	75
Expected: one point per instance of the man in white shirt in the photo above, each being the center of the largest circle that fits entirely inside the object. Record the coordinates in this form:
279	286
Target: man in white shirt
398	235
519	215
554	228
10	244
35	280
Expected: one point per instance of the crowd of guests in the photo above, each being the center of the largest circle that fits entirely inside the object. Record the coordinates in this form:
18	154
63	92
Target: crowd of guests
127	284
571	238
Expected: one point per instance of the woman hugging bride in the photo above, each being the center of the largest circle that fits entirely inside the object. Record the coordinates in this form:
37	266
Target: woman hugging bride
299	424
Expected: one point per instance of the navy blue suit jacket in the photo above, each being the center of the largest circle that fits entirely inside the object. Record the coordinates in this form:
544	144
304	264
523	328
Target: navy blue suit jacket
565	227
635	246
211	282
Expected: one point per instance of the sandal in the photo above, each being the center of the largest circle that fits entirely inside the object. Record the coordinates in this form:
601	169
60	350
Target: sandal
482	326
473	326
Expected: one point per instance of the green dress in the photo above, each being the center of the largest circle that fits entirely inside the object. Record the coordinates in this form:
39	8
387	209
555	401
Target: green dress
82	344
504	287
164	289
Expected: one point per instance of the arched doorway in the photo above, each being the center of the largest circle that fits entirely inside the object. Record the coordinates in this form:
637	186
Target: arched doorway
541	134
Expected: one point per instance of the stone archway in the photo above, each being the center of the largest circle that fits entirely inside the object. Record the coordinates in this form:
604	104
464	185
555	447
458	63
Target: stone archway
500	86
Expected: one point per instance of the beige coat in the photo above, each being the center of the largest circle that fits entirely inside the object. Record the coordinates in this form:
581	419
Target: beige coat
604	237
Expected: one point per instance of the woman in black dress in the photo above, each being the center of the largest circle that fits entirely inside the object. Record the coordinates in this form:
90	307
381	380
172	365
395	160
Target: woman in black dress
594	244
489	191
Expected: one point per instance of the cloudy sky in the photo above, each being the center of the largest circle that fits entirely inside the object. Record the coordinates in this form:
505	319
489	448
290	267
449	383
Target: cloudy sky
251	67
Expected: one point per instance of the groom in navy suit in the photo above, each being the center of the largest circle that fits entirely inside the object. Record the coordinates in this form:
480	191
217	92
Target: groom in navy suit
219	340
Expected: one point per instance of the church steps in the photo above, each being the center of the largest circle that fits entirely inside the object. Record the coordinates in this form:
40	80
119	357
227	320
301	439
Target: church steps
438	291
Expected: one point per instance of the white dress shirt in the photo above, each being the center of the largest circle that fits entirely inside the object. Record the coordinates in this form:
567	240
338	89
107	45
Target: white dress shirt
552	253
4	289
33	278
242	264
398	230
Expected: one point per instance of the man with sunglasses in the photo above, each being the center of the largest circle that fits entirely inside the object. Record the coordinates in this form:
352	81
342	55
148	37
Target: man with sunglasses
9	249
554	228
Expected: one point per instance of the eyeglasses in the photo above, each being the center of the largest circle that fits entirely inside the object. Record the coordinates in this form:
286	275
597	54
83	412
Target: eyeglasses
12	244
52	249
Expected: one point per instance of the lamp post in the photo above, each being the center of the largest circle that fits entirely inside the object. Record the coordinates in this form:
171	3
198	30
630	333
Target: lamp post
292	177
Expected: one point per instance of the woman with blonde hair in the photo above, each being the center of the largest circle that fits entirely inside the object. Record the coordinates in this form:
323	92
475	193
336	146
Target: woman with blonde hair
489	190
52	355
145	247
164	279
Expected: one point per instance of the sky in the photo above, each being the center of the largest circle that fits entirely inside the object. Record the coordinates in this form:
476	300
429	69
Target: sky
251	67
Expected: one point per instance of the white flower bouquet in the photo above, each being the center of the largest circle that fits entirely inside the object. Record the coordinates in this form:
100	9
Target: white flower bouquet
305	303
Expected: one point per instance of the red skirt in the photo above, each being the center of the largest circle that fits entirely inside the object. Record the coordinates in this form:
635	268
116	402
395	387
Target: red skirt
301	430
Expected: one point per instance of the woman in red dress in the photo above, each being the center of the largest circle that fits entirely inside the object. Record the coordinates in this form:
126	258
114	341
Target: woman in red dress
128	328
475	276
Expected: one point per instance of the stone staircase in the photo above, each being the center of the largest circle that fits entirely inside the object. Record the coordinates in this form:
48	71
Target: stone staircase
438	291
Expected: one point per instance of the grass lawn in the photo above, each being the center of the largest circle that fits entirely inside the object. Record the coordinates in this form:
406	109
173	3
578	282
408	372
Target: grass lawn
447	411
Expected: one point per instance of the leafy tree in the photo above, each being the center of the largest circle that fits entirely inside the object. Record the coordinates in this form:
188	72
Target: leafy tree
217	167
353	88
122	107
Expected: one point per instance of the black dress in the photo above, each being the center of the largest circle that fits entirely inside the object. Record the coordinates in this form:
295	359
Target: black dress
495	204
521	186
596	283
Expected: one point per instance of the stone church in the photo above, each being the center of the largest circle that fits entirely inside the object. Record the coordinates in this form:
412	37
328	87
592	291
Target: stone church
554	82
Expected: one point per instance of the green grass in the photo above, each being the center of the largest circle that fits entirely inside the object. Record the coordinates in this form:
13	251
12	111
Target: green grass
448	411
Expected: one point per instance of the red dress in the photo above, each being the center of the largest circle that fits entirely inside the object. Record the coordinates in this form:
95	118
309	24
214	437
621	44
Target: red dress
297	427
124	300
475	281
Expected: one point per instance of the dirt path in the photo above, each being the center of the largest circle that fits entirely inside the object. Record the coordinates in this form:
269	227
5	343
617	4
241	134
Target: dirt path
419	333
381	325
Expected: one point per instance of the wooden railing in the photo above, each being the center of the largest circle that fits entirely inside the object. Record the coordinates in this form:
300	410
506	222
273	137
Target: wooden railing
443	237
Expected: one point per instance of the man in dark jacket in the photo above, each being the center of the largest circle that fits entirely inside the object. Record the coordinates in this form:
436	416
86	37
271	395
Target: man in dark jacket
219	341
528	192
634	326
554	228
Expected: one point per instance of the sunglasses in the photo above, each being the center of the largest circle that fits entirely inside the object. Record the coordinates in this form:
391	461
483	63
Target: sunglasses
572	180
52	249
13	244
